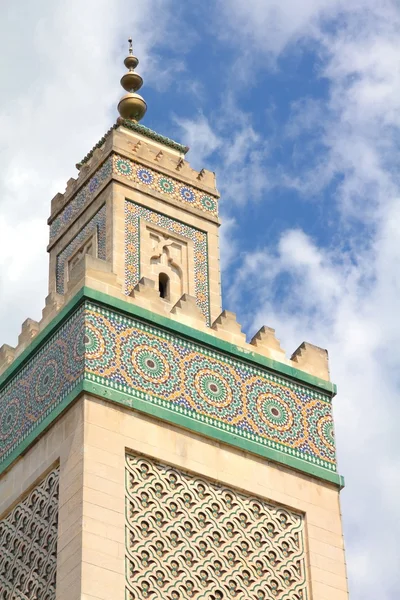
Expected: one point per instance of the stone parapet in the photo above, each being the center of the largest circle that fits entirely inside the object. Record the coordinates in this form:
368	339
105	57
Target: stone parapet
128	155
109	345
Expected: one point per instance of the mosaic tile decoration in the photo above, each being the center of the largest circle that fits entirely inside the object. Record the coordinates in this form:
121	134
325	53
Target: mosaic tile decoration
155	181
82	199
133	214
209	387
42	384
188	537
148	178
28	541
161	369
28	538
97	223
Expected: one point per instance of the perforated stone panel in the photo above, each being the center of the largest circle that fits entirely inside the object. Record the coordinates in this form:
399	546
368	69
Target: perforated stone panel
28	542
187	537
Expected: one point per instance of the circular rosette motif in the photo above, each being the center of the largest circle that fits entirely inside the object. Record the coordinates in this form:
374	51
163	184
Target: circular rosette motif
47	380
123	167
326	431
166	185
100	342
322	438
187	194
217	388
145	176
10	422
151	365
76	349
213	388
275	411
93	342
208	203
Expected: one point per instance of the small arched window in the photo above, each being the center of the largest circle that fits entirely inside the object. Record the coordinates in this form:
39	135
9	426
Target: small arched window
163	286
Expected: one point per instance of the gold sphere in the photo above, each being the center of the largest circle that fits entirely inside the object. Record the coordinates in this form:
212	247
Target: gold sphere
131	62
131	82
132	106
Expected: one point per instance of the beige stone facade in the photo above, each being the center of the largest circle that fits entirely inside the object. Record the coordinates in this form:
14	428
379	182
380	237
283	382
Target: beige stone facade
90	442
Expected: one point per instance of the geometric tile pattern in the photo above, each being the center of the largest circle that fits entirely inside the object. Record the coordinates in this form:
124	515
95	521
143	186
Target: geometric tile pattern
28	541
81	199
134	213
146	178
169	373
42	384
152	180
188	537
208	386
97	223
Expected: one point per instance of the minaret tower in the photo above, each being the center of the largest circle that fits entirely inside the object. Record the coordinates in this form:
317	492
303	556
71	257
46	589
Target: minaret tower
147	450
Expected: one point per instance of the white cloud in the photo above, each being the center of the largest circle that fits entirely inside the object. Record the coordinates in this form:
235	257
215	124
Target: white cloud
60	68
344	300
229	141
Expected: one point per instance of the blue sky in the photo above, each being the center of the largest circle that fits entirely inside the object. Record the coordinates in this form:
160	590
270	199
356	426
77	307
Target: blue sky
296	106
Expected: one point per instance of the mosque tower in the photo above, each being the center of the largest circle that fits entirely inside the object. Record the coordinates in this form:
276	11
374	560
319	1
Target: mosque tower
147	450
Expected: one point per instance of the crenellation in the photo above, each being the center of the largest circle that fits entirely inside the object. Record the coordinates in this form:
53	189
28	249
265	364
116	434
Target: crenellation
71	187
145	295
228	328
7	356
267	344
29	330
187	311
56	204
53	304
312	359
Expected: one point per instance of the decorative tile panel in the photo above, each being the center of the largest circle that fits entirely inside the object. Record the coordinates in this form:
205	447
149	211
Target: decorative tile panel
42	384
97	223
150	179
209	387
28	541
158	371
82	199
188	537
133	214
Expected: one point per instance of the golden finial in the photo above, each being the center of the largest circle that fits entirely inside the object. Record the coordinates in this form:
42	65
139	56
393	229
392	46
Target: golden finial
131	106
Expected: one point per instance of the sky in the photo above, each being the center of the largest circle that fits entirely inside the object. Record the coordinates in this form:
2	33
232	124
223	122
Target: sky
296	107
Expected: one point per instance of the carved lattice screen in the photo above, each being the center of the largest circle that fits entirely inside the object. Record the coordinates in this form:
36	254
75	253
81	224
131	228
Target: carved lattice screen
28	542
188	537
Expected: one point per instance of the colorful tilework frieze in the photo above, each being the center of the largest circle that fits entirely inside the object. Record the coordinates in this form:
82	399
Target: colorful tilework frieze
134	213
147	178
209	387
163	373
82	199
168	186
96	224
40	386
